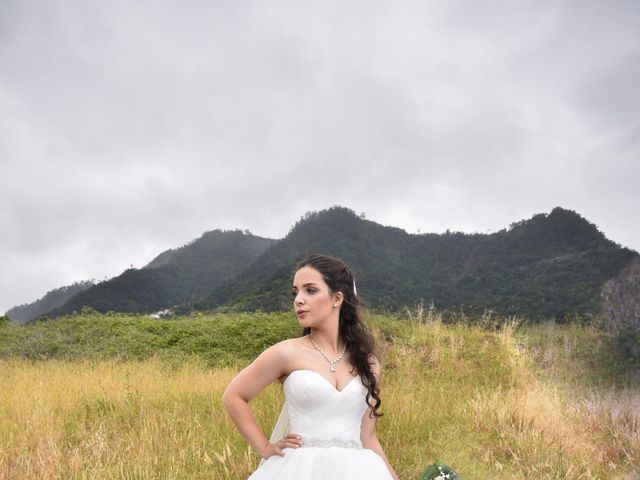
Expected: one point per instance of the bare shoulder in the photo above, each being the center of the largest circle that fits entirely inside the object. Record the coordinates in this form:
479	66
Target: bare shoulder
286	349
270	365
289	351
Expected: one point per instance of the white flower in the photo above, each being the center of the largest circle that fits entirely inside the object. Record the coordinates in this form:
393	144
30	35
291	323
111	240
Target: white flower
442	476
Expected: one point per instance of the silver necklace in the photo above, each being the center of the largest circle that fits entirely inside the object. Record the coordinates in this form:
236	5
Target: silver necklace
332	363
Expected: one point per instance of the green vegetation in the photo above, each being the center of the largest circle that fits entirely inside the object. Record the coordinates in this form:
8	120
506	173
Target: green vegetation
90	396
550	266
628	340
51	300
216	340
174	277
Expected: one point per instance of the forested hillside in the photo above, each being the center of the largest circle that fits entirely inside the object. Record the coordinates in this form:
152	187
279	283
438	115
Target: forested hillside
552	265
549	266
53	299
175	276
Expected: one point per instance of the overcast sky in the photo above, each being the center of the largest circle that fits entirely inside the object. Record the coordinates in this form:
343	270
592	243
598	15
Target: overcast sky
127	128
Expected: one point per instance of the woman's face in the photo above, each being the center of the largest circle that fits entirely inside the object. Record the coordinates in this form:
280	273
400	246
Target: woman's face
312	299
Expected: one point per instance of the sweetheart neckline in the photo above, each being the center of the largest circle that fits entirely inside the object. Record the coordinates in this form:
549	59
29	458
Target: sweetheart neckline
320	375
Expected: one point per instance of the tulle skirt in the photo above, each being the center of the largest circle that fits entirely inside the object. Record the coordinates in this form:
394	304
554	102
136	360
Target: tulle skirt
323	463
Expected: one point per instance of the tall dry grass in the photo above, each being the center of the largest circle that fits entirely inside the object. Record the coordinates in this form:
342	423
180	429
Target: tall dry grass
133	420
543	431
504	400
564	418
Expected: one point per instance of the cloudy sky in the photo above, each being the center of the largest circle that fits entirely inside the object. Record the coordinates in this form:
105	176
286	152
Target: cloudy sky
127	128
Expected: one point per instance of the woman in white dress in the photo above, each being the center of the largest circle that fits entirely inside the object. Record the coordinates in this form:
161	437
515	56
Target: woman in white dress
330	377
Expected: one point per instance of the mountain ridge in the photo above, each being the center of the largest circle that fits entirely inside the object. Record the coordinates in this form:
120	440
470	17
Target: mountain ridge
174	276
52	299
550	265
558	253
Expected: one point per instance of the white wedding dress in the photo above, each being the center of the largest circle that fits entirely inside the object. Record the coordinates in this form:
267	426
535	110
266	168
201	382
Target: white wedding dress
329	422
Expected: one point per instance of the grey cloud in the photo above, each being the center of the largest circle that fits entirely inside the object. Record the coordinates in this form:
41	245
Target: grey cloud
131	128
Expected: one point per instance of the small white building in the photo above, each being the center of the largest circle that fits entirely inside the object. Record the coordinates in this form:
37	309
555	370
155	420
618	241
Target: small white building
161	313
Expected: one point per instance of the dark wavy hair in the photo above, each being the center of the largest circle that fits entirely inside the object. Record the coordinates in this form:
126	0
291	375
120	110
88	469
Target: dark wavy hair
359	342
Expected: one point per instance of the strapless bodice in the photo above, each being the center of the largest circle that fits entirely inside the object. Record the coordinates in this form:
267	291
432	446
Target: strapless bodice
329	421
318	410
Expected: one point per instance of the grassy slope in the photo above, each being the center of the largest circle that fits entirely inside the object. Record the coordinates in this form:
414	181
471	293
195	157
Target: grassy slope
128	397
214	339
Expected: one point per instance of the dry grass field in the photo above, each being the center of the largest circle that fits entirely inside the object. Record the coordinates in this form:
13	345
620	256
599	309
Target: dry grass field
498	399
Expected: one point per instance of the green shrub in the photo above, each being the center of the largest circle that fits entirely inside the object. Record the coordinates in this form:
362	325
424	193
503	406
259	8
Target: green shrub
628	341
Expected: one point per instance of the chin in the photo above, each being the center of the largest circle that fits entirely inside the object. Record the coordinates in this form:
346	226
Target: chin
305	324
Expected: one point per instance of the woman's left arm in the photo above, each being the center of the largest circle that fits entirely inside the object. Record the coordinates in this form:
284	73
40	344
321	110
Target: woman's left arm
368	433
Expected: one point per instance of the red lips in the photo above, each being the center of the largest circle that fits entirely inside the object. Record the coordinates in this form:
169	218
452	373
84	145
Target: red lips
301	311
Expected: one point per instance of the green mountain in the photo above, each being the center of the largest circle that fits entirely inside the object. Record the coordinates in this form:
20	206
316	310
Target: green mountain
550	265
176	276
52	299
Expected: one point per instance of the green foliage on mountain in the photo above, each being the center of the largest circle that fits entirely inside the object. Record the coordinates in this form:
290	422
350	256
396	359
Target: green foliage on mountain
174	277
52	299
550	266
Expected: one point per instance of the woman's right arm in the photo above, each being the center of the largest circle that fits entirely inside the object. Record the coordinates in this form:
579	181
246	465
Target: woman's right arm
269	366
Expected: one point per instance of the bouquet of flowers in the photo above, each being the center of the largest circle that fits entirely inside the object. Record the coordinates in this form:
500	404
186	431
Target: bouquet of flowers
439	471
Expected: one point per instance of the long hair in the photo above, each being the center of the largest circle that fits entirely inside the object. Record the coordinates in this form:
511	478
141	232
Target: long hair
359	342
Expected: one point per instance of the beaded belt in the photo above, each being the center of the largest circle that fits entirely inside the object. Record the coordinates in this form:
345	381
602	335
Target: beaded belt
331	442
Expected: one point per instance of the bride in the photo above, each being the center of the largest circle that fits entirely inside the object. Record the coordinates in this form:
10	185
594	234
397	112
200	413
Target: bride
330	380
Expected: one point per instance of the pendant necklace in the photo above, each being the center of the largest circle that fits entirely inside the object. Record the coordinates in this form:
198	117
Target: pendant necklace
332	363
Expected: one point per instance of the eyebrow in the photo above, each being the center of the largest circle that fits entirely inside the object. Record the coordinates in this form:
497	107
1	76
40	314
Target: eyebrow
305	284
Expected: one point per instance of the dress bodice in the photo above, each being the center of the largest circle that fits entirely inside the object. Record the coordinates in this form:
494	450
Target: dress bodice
329	421
317	409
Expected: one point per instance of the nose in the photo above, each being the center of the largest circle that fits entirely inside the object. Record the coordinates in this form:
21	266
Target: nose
297	300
